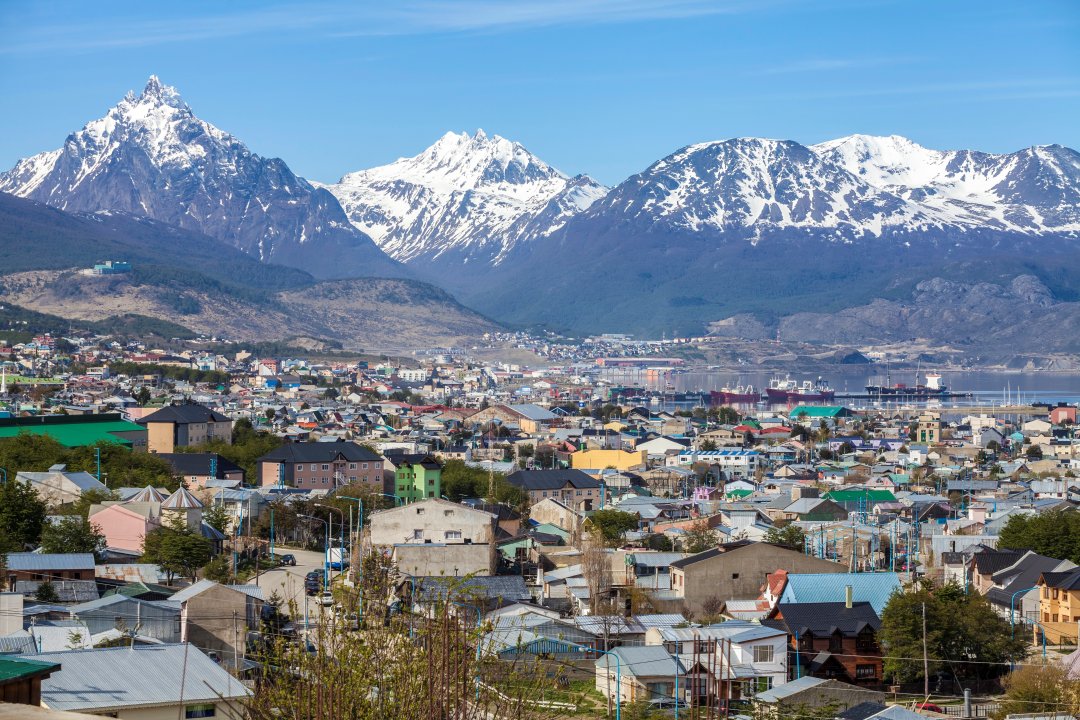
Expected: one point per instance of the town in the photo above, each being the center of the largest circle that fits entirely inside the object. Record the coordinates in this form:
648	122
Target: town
189	533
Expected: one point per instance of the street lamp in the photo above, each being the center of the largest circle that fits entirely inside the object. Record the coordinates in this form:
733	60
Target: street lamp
326	553
341	535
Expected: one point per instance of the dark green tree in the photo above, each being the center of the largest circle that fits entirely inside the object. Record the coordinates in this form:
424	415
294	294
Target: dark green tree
963	635
612	524
1054	533
22	516
790	535
72	534
177	550
46	593
216	515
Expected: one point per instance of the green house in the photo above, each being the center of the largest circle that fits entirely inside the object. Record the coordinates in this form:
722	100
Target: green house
418	477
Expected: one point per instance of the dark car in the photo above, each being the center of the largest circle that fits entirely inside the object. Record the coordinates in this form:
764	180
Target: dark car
287	559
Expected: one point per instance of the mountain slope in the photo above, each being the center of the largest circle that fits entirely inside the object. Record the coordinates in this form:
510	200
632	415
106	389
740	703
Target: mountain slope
151	156
1035	190
768	227
197	282
466	200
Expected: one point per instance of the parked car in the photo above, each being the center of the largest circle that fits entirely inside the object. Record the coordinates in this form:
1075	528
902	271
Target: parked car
287	559
326	599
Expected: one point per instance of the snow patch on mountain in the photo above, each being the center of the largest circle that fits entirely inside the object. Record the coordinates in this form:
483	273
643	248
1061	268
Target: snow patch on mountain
474	196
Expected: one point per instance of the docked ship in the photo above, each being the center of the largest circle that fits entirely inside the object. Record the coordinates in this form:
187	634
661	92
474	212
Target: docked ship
932	389
738	395
784	390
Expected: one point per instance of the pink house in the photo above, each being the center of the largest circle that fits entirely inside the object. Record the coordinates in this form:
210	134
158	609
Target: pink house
125	525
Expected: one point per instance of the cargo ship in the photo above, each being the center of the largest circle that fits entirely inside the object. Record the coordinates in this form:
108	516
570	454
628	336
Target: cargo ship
784	390
738	395
932	389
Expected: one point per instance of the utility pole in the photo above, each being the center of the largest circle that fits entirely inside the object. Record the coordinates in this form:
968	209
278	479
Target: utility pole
925	658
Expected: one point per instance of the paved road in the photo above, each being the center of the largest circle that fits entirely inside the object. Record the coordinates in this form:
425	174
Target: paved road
289	581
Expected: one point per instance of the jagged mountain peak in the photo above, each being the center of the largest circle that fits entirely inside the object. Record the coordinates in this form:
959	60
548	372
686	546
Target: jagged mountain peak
471	196
151	156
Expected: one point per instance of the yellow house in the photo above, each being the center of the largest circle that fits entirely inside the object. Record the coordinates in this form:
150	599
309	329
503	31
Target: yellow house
615	425
1059	605
600	459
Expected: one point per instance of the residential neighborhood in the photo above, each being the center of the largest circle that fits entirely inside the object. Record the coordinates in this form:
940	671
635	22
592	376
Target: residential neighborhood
192	508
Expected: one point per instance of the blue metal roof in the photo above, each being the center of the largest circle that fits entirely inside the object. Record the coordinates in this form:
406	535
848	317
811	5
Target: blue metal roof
874	588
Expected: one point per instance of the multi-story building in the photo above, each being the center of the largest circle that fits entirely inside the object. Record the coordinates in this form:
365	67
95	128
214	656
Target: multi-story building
437	537
416	477
572	488
178	426
732	462
321	466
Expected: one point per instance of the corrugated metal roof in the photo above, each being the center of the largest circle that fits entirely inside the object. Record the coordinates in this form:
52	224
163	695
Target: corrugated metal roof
37	562
874	588
139	676
14	668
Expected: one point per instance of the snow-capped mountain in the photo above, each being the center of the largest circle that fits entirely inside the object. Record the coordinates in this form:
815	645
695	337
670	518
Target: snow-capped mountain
151	156
467	199
739	225
1034	190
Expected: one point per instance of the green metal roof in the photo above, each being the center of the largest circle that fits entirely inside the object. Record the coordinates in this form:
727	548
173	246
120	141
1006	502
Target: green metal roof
819	411
78	434
856	495
13	669
740	493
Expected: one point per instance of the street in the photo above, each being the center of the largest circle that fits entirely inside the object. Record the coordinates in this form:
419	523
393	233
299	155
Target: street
288	582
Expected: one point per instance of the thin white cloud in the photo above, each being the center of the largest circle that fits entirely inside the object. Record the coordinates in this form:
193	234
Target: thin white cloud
339	19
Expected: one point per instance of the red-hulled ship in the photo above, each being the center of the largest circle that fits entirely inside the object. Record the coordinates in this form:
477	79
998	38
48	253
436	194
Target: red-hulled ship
784	390
738	395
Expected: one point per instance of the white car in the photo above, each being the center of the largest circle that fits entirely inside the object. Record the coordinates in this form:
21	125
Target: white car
326	599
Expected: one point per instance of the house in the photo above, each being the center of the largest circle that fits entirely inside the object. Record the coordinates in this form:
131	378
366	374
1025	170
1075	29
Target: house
48	567
811	509
57	486
321	466
21	678
572	488
640	673
622	460
198	468
141	682
437	537
834	639
812	692
416	477
748	657
125	525
158	620
216	618
874	588
734	463
737	570
178	426
78	430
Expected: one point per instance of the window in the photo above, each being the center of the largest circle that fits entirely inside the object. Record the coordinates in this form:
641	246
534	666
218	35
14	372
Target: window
325	467
419	511
763	653
453	534
447	513
865	672
300	466
418	534
836	642
205	710
352	478
365	466
352	466
762	684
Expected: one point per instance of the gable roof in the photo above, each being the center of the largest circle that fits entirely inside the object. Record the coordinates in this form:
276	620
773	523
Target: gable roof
183	415
301	452
822	619
873	588
551	479
135	676
35	562
199	463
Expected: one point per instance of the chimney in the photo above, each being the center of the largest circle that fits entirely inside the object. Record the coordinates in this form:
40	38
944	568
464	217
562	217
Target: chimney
847	596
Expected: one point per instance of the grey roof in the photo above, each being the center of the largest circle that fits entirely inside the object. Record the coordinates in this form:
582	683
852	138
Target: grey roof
788	689
507	588
130	677
182	499
319	452
68	591
18	642
183	414
38	562
643	661
551	479
146	494
82	480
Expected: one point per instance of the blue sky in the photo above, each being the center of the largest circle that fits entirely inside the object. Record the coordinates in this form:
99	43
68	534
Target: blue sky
598	86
